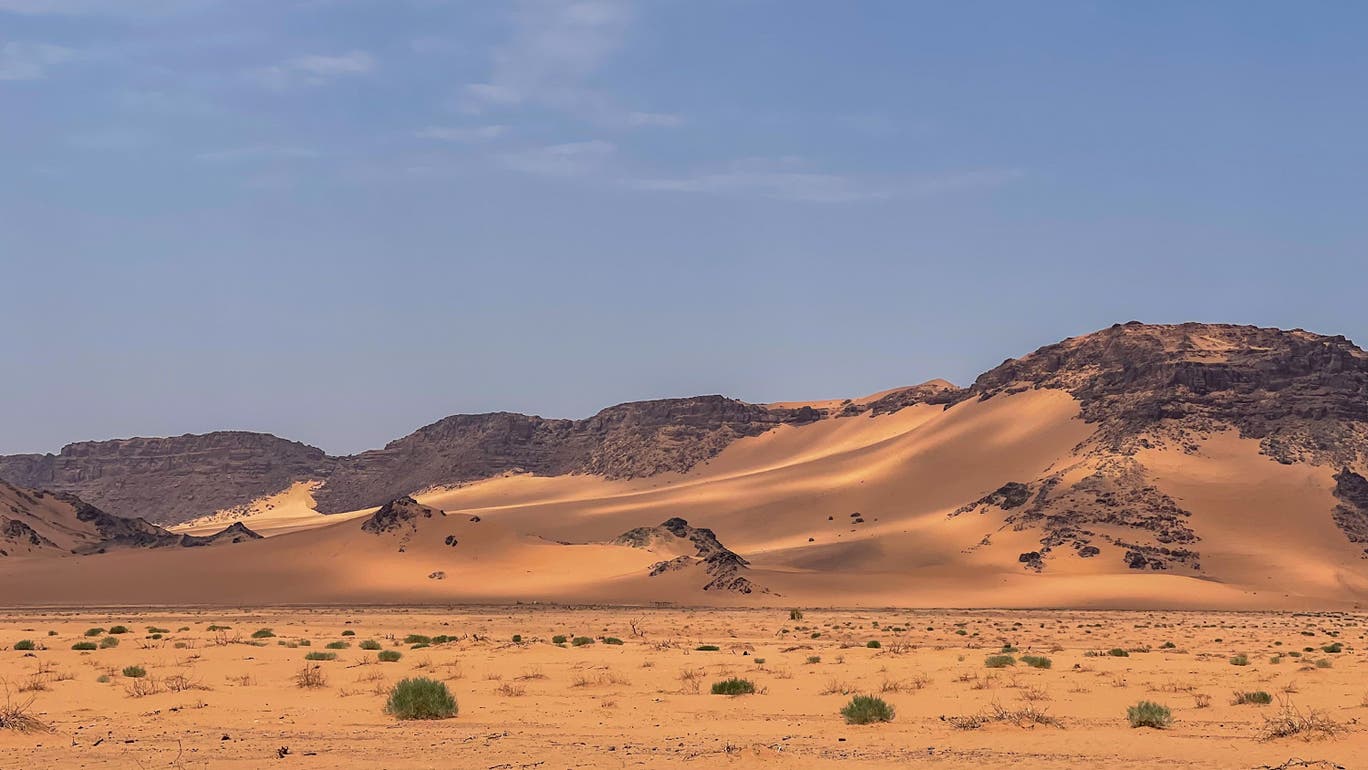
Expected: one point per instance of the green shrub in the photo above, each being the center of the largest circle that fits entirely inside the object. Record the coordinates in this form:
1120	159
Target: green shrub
1149	714
349	632
999	661
421	699
25	644
263	633
216	627
866	709
102	678
417	639
611	640
581	641
814	659
1167	646
155	630
337	645
1323	663
369	644
109	641
1036	661
517	638
707	648
1117	652
1336	647
873	644
134	672
316	655
1258	697
795	614
389	656
1239	660
83	646
559	639
94	632
118	630
733	686
961	632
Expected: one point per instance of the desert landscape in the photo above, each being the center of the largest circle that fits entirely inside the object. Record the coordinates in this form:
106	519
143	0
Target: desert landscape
1144	545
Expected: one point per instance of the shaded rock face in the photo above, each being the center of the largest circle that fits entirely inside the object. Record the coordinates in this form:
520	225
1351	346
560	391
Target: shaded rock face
935	392
399	514
723	565
170	479
237	532
1305	396
626	441
1351	515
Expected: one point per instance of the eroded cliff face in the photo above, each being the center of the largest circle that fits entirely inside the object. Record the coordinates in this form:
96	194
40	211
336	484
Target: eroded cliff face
170	480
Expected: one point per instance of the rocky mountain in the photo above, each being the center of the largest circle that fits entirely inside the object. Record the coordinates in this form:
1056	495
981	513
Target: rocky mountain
36	522
724	567
169	480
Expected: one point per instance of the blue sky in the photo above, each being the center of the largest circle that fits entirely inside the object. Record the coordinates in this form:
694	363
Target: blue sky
337	220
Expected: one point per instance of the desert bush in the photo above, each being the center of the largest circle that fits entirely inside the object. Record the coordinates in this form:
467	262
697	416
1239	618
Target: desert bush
134	672
417	639
389	656
421	698
559	639
25	644
1239	660
795	614
1117	652
999	661
84	646
369	644
1323	663
707	648
1036	661
1149	714
733	686
1291	721
337	645
581	641
349	632
263	633
517	638
1336	647
316	655
611	640
310	677
866	709
1258	697
94	632
118	630
873	644
108	642
813	660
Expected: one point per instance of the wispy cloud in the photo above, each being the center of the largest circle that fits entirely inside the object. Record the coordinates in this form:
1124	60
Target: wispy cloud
555	49
256	151
572	159
786	179
314	69
30	61
464	134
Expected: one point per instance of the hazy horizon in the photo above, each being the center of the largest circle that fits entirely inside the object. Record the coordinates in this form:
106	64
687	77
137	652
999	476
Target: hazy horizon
337	222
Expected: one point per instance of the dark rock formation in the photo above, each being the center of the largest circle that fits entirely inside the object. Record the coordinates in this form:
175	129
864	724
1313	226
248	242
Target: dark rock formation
1352	513
174	479
237	532
723	565
401	513
1008	496
1305	396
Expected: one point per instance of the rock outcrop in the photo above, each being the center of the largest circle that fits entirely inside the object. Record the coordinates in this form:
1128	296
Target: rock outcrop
725	567
401	514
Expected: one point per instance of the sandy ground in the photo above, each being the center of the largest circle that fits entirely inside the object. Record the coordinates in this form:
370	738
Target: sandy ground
646	702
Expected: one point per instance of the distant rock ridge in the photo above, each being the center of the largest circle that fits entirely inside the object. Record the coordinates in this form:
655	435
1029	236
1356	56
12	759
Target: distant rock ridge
723	565
86	529
401	513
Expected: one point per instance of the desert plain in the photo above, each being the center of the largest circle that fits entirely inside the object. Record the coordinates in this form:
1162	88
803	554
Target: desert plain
631	687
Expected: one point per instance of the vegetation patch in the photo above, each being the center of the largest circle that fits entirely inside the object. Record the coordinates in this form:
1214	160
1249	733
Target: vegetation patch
1149	714
733	686
421	698
866	709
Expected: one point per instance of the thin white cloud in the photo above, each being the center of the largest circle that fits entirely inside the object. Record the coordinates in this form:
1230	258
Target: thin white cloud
314	69
465	134
785	179
30	61
555	49
561	160
663	119
256	151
